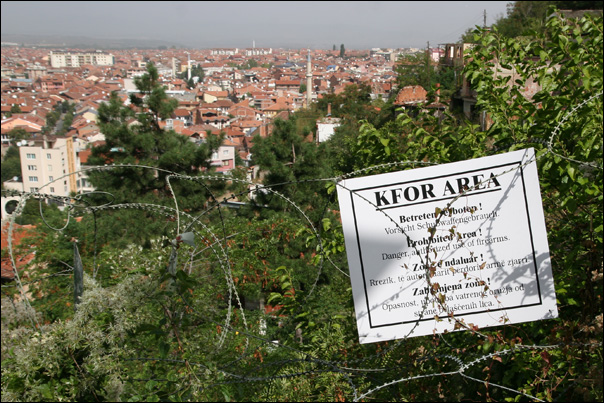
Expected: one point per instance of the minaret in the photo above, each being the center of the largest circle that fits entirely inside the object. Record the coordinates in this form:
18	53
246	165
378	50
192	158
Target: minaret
308	81
188	66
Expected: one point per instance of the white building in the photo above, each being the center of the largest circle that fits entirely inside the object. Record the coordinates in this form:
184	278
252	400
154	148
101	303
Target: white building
326	127
45	165
59	59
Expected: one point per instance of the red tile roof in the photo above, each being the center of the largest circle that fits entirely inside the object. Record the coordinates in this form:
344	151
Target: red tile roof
411	94
20	232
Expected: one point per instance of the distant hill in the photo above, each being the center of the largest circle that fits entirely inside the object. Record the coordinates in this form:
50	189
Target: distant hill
84	42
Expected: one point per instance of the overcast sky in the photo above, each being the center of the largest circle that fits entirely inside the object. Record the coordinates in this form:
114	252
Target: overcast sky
287	24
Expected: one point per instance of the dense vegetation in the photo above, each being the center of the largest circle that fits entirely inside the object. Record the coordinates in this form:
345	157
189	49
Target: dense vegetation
164	317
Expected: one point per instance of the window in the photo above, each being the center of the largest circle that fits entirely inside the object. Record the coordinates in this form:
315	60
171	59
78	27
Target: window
225	152
51	178
31	156
48	156
33	178
52	190
32	168
33	189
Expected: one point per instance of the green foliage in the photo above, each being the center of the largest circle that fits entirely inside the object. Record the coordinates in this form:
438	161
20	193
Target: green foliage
144	142
143	332
562	119
11	164
291	163
197	71
249	63
523	17
415	69
59	119
419	69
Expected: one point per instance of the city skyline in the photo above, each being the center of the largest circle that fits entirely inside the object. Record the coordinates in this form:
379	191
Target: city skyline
315	25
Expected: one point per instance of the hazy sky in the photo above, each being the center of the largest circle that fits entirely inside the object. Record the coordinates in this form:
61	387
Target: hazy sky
288	24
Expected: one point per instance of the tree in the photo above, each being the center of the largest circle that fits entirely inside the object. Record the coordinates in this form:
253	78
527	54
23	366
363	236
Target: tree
525	16
287	156
415	69
419	69
250	63
143	333
191	83
352	106
577	5
565	62
15	108
134	135
11	164
197	71
54	117
18	133
342	50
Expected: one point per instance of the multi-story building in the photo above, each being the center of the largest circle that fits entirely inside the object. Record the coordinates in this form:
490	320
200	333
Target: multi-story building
45	165
60	59
224	157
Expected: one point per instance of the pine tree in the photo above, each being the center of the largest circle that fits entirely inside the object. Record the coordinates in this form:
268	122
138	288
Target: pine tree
134	136
287	157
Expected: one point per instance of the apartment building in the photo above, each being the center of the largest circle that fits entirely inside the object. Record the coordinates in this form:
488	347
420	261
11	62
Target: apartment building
60	59
224	158
45	164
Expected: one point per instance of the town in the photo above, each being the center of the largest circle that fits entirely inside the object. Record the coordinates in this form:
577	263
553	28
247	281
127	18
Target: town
254	201
236	92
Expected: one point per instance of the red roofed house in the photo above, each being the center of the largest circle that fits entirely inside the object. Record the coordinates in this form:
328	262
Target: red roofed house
411	95
183	115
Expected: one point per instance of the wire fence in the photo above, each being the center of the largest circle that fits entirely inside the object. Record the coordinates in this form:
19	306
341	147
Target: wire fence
368	373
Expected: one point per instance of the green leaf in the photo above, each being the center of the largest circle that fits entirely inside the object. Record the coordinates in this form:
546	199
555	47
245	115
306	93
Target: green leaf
164	349
274	296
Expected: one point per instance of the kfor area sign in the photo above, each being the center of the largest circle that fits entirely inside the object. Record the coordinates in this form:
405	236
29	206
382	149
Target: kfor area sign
448	247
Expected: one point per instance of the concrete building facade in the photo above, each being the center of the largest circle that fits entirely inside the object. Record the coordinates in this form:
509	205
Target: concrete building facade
59	59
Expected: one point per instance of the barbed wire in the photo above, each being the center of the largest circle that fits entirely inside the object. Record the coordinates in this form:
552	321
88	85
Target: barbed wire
217	245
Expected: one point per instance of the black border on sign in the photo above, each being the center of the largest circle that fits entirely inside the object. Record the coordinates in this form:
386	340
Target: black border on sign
352	191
